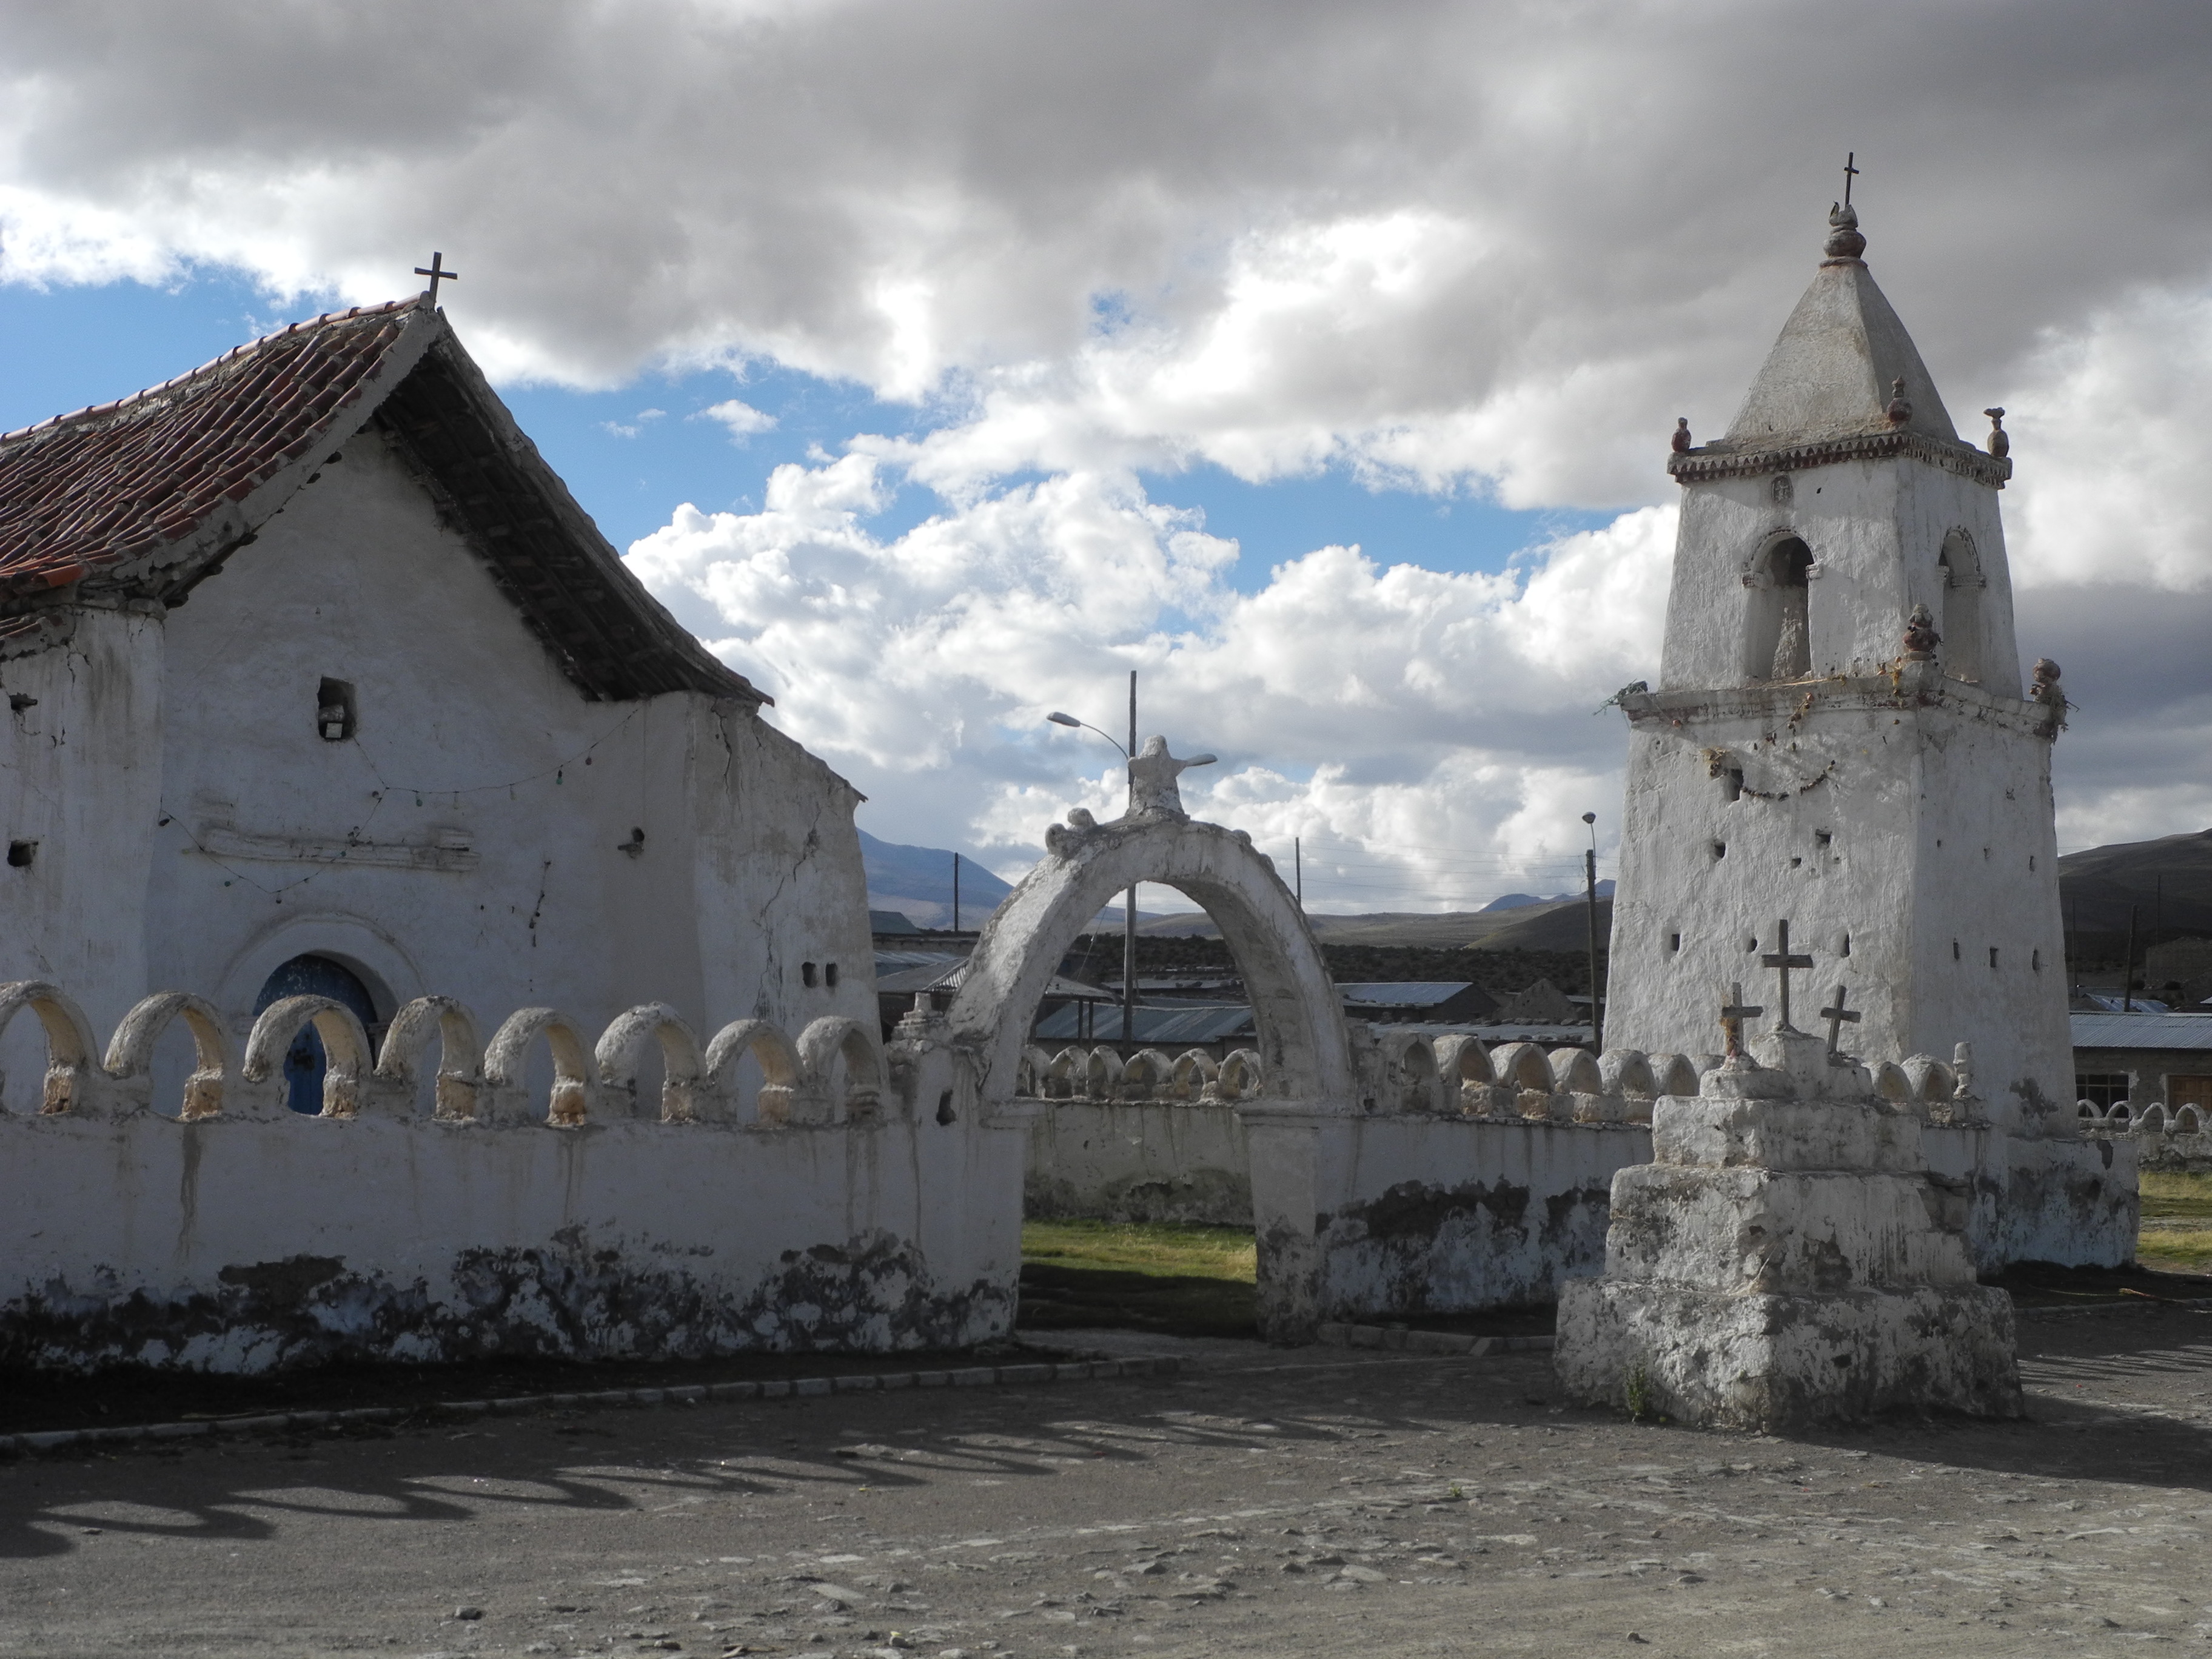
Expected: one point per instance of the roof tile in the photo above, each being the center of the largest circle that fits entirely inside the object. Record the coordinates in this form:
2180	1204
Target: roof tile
78	490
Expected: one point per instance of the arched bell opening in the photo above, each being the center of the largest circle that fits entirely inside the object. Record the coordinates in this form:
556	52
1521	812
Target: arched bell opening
1777	616
1961	567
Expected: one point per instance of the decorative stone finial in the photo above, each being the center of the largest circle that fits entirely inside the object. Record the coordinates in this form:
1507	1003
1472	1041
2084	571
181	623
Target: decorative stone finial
1920	638
1153	791
1899	411
2045	688
2000	440
1682	435
1844	241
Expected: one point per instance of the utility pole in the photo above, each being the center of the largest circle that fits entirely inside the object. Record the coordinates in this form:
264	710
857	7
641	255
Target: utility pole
955	892
1589	889
1129	904
2128	968
1299	872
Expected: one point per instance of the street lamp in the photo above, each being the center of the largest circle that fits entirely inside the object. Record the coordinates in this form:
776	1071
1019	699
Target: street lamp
1589	891
1058	719
1128	753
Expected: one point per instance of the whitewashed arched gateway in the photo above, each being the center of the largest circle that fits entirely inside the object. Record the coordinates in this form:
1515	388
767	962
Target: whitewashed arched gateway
1387	1176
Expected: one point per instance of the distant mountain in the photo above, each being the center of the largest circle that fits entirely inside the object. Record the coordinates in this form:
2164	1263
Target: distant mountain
2168	881
1522	901
1560	925
917	882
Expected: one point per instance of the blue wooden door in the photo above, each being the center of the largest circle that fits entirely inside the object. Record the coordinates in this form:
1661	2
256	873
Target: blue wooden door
314	976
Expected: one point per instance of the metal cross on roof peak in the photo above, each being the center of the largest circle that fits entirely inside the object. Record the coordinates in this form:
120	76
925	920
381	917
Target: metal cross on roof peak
1849	174
1733	1012
1782	962
1838	1016
437	271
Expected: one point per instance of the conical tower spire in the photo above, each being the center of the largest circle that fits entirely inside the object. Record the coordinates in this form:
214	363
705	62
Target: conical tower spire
1835	370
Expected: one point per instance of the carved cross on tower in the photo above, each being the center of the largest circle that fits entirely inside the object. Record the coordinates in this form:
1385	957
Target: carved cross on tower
437	271
1782	962
1838	1016
1849	174
1733	1012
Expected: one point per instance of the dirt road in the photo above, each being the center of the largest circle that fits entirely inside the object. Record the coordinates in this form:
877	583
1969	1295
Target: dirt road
1310	1502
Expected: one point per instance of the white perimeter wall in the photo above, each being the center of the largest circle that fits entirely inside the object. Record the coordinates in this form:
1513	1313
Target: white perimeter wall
245	1245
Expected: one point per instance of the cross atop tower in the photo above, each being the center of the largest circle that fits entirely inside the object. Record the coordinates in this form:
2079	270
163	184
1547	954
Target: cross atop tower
437	271
1849	174
1782	962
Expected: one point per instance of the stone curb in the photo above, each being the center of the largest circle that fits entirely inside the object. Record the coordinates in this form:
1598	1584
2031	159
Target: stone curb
1397	1337
2087	1309
692	1394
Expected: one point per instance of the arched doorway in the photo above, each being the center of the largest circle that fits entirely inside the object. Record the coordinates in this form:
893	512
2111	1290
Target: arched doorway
1306	1070
314	976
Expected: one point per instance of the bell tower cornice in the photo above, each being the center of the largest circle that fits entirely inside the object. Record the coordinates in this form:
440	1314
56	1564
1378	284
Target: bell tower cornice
1726	461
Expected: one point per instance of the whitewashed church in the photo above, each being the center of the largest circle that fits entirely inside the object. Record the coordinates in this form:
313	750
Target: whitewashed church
318	680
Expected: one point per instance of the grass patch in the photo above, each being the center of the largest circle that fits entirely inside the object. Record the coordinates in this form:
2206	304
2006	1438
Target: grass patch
2177	1222
1181	1281
2171	1197
1144	1248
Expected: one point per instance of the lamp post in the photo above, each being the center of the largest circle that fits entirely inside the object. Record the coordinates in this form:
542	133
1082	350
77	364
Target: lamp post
1129	898
1589	889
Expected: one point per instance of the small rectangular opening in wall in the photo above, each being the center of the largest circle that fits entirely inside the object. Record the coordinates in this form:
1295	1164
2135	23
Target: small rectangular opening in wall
338	714
1844	950
829	975
1732	784
1720	849
1822	838
20	852
2035	962
1673	943
1993	956
1954	949
806	974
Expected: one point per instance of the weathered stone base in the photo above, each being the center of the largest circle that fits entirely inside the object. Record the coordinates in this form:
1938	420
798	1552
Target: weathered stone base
1767	1362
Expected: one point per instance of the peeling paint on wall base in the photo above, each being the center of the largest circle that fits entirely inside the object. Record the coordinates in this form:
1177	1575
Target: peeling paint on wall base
580	1298
252	1245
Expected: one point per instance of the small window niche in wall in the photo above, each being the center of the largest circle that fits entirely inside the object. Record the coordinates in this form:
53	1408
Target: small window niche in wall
338	714
1674	944
807	975
829	975
20	852
1955	951
2035	962
1732	784
1844	948
1720	849
1993	956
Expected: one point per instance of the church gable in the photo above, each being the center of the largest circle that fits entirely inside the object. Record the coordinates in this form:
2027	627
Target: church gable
146	497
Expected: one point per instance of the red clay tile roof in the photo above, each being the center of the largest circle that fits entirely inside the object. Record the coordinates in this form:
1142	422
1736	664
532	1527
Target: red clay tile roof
95	489
147	496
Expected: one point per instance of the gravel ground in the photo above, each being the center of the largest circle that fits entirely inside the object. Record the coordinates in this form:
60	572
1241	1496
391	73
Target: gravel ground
1306	1502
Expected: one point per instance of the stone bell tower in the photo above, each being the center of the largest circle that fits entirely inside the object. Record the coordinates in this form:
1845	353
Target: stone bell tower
1838	737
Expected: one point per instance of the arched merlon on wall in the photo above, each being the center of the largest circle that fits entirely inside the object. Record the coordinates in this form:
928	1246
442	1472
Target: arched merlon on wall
1305	1055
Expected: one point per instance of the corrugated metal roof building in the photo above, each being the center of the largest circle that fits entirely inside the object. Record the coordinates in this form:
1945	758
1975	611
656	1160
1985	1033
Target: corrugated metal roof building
2142	1058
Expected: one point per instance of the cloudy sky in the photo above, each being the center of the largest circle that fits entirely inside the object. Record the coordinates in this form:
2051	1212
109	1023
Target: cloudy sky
939	361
